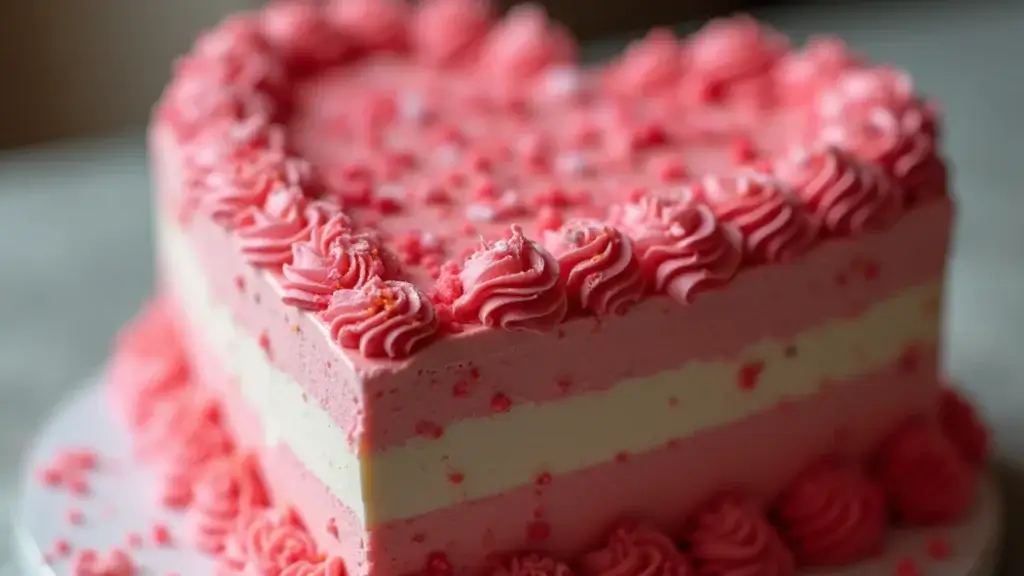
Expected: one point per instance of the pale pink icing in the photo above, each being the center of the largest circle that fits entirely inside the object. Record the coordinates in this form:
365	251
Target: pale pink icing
846	195
227	490
334	258
925	480
448	32
374	24
803	75
269	542
523	44
236	185
731	536
963	427
651	64
266	235
682	247
733	58
597	266
774	228
381	318
512	284
89	562
832	515
236	54
636	550
531	565
301	33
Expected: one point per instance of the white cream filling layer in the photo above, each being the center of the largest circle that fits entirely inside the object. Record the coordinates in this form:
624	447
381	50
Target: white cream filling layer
500	452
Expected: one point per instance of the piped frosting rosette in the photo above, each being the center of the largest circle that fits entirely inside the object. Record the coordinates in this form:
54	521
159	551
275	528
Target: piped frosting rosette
682	247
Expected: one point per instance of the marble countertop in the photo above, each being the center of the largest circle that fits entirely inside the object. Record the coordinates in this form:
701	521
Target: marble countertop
75	246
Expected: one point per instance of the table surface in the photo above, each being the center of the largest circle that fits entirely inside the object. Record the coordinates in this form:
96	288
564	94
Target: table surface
75	252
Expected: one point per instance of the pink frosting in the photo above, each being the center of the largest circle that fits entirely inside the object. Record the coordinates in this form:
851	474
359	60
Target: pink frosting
383	318
332	566
847	196
774	227
228	489
512	284
183	435
270	542
730	536
193	102
651	64
925	479
683	249
238	183
803	75
266	235
334	258
962	426
148	367
832	515
449	32
301	33
89	562
531	564
597	265
636	550
236	54
373	24
857	91
524	44
734	57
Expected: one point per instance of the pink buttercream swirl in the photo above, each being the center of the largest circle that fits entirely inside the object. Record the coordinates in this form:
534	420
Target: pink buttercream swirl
734	56
268	543
301	33
963	427
531	564
266	235
240	182
332	566
597	265
802	76
730	536
449	32
682	247
832	515
227	490
847	196
334	258
924	478
382	318
524	44
774	227
182	436
376	25
513	284
636	550
149	366
651	64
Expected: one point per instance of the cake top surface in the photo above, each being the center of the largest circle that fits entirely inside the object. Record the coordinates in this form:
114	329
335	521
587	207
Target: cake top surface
406	173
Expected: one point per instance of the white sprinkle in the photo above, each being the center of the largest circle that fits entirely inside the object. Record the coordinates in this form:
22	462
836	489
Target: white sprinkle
448	155
565	82
413	108
480	213
429	240
572	164
391	192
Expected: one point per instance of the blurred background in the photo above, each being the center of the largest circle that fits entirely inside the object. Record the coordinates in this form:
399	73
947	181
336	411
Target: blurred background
78	78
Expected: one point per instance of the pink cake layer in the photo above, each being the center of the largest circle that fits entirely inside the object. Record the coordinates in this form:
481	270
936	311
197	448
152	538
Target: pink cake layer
759	454
383	404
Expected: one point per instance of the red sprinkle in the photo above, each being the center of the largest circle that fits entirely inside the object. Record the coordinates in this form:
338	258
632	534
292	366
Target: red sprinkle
61	547
456	478
538	531
240	284
500	403
622	457
938	548
79	487
543	479
75	517
438	565
749	375
673	401
419	538
906	567
134	540
427	429
332	528
160	534
264	342
460	389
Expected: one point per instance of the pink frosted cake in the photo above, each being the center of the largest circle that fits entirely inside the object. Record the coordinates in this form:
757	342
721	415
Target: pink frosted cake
436	299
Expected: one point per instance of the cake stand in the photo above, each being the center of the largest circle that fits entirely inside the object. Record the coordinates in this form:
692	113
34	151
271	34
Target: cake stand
121	510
